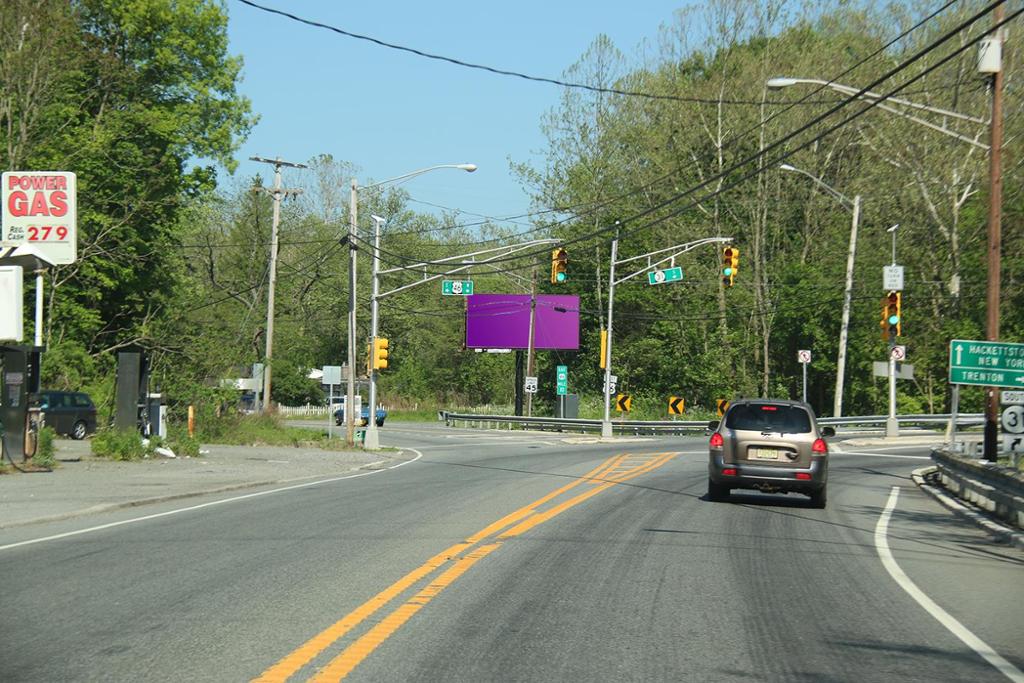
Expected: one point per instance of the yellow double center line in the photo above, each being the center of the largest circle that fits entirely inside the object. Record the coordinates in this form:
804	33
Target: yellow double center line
460	557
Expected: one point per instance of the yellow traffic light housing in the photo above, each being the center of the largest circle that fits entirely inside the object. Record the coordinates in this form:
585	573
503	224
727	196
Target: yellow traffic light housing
559	266
380	353
892	314
730	265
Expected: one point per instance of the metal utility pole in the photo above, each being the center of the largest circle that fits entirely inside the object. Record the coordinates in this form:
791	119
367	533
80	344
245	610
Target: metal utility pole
372	439
995	200
892	425
837	407
276	193
606	424
350	395
529	341
654	259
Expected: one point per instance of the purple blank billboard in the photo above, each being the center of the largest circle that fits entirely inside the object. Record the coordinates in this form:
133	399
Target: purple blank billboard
502	321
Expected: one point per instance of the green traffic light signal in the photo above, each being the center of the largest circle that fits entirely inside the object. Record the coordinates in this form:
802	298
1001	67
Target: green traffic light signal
727	272
560	277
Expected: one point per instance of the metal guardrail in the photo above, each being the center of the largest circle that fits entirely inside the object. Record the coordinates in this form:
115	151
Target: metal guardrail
564	424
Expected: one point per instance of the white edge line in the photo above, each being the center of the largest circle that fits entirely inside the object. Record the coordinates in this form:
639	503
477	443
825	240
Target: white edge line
222	501
941	615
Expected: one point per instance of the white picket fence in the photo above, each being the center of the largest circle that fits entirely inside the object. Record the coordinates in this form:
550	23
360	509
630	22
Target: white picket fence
308	410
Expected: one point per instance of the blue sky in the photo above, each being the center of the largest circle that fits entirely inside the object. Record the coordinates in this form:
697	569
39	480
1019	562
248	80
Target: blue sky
390	112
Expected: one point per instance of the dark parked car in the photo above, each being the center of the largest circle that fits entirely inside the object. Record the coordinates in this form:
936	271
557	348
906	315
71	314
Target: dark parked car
769	445
68	412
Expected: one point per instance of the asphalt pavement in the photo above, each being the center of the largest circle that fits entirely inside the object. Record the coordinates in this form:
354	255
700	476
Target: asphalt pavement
511	556
83	484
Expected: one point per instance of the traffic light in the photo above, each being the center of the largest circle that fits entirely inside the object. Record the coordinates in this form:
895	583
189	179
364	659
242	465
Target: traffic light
892	314
730	265
380	353
559	266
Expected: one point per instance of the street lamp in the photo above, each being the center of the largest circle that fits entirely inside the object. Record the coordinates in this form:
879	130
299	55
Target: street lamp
785	82
372	439
991	65
854	206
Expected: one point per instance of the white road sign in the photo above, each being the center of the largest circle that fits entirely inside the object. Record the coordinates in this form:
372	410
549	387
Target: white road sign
12	326
892	278
1013	419
332	375
1012	398
530	385
803	356
1013	443
40	208
898	353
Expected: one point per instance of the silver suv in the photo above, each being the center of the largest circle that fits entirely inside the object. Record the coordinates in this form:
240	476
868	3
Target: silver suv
774	446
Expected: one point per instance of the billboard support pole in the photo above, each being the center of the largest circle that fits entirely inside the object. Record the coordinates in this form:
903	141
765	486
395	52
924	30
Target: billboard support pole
529	341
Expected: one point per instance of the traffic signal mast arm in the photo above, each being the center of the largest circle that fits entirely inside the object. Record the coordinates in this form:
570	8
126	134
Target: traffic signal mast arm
675	251
492	254
666	255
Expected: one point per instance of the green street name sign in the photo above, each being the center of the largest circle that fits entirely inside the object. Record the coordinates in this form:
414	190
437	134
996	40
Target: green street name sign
456	287
660	277
561	380
985	363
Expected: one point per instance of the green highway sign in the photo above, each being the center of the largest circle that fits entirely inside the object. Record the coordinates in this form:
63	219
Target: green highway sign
562	380
660	277
985	363
456	287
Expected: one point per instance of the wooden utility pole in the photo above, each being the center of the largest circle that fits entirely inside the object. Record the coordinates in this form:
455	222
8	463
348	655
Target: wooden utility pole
276	192
995	201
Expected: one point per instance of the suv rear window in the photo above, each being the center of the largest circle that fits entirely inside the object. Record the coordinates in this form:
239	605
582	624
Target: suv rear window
765	417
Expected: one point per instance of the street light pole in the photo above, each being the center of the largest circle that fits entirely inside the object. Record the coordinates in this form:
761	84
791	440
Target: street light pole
372	435
350	395
372	440
854	206
606	424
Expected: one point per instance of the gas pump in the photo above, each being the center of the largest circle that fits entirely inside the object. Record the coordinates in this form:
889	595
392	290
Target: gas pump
19	382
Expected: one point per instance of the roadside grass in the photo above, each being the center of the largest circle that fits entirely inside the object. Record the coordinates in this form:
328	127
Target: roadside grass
262	430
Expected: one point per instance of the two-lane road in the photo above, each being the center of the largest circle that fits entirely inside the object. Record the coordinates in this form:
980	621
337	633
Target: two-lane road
510	556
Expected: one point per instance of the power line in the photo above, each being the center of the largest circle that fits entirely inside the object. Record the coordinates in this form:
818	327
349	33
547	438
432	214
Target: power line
527	77
761	154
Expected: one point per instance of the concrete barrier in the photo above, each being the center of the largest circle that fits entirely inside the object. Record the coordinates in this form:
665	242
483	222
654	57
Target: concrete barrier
994	488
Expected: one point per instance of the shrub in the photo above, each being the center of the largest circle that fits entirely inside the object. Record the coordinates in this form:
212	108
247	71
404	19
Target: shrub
120	444
44	448
185	446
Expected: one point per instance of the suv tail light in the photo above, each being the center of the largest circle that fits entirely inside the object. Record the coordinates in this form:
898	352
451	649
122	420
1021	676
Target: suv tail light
819	446
717	441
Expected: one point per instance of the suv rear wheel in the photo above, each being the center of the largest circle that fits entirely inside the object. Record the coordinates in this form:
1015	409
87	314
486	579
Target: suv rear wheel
819	498
717	492
79	430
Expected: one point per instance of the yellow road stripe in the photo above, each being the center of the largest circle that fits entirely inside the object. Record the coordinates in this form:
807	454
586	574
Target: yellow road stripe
355	653
602	477
309	650
541	517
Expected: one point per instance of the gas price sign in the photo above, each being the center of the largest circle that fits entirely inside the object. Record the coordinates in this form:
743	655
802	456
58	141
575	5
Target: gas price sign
40	209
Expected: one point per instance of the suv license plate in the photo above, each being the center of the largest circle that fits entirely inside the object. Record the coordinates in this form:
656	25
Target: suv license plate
764	453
